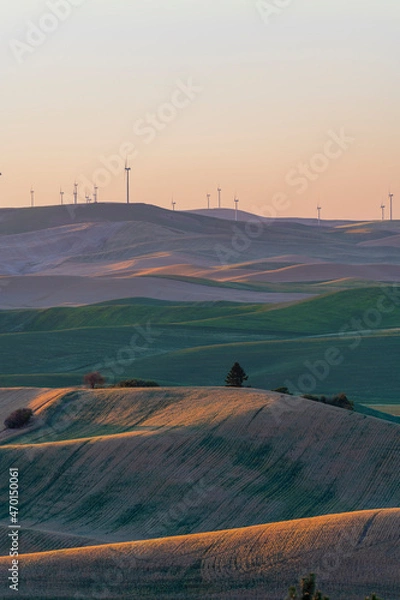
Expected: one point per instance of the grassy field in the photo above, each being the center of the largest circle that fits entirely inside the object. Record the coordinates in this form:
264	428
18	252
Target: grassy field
356	328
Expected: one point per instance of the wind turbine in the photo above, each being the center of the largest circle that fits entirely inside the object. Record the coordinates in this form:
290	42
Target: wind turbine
236	201
208	201
61	196
219	197
319	208
32	196
87	197
75	193
173	204
391	205
383	211
95	194
128	173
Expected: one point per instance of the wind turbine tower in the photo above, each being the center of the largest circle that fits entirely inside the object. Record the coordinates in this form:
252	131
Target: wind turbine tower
75	193
383	211
319	208
173	204
236	201
32	197
61	196
95	194
391	205
219	197
128	174
208	201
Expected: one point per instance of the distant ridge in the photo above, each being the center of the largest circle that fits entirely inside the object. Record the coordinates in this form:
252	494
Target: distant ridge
230	215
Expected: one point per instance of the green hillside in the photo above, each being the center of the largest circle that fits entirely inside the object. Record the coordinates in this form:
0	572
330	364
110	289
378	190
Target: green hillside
195	343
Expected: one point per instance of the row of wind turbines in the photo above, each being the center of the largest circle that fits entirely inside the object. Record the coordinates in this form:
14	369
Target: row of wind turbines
383	206
88	198
219	205
128	169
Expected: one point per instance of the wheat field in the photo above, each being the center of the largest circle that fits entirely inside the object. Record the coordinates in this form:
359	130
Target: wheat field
351	554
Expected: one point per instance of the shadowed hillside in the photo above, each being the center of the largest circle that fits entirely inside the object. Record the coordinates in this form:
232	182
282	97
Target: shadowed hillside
139	464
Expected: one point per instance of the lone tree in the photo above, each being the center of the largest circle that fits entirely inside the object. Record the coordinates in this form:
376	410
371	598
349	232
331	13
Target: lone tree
236	376
307	590
93	379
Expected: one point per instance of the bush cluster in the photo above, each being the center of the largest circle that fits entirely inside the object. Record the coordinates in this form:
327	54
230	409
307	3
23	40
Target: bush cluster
19	418
136	383
339	400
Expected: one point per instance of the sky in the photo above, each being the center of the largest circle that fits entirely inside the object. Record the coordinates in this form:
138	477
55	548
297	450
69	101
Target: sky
286	103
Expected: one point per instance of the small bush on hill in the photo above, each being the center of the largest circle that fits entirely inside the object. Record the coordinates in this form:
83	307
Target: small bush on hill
19	418
342	401
136	383
339	400
283	390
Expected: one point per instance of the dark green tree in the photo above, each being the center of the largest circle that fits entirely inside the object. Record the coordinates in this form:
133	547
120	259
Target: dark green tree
236	376
307	590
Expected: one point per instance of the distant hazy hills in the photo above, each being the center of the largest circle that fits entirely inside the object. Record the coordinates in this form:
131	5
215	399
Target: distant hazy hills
83	254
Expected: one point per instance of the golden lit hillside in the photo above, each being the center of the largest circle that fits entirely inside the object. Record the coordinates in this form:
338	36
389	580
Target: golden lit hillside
118	465
352	555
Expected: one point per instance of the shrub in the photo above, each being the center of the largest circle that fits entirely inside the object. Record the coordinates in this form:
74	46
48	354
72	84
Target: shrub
283	390
136	383
340	400
19	418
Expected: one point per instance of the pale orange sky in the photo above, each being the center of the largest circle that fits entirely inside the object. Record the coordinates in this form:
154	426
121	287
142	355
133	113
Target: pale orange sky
269	93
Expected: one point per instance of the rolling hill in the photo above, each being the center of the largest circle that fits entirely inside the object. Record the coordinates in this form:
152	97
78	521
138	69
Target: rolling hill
83	254
351	554
167	341
261	487
124	460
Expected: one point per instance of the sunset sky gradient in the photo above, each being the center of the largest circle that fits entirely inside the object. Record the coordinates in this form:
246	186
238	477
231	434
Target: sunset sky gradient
270	92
